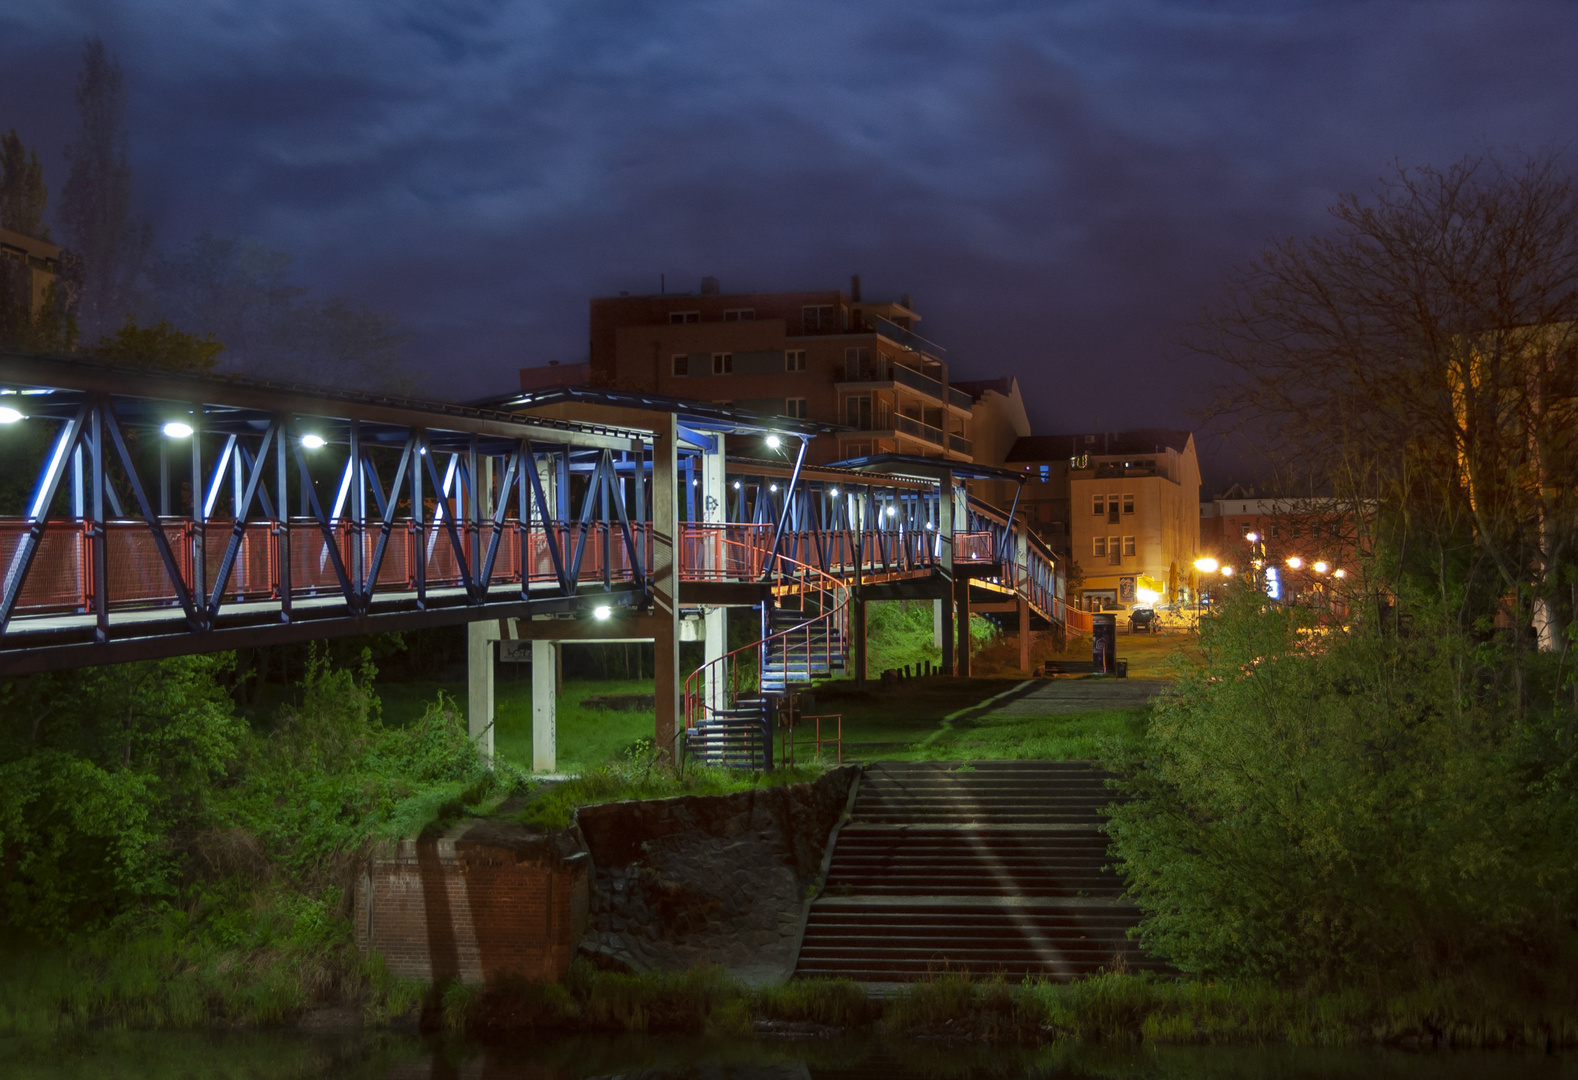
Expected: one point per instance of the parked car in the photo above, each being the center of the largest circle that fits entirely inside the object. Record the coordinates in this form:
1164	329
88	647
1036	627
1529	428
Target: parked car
1142	621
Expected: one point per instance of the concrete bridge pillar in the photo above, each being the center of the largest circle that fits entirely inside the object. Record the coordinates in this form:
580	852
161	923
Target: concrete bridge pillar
480	637
667	684
544	705
716	633
961	607
857	631
1024	635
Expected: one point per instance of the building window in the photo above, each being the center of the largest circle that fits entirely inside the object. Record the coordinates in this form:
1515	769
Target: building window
1128	545
857	410
1101	505
1046	474
1100	547
1128	504
857	449
722	363
794	360
818	317
1244	529
739	314
1113	551
681	364
796	407
678	317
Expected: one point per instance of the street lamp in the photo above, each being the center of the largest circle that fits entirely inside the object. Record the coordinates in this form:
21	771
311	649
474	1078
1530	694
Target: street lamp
313	442
1206	565
177	430
1295	562
1321	566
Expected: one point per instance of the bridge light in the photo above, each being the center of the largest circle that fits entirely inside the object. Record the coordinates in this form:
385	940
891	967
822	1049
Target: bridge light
774	442
9	415
736	485
601	612
833	492
177	430
928	525
312	442
772	487
891	511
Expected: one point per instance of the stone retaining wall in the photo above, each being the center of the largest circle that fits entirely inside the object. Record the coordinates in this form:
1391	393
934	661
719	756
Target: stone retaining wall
709	879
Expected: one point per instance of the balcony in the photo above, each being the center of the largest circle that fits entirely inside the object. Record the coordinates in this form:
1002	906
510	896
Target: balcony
887	371
907	338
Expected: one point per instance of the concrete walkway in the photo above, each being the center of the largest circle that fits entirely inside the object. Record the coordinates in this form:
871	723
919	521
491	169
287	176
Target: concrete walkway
1051	696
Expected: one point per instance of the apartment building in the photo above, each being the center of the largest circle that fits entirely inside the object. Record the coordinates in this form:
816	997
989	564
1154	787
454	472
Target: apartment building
821	355
1300	539
1123	505
34	265
997	421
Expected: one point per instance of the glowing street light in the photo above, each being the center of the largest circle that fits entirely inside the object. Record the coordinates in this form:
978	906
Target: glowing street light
1253	538
1206	565
9	415
1295	562
312	442
1339	572
1321	567
177	430
1228	571
601	612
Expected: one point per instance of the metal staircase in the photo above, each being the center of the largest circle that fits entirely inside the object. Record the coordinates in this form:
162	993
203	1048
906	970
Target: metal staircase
729	714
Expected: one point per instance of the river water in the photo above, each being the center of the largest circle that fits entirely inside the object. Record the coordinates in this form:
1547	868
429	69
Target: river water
286	1056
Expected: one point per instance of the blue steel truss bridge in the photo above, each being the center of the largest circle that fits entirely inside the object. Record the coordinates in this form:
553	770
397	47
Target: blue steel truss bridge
146	514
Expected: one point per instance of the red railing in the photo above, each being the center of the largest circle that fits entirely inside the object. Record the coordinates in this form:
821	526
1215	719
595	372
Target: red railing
715	686
789	740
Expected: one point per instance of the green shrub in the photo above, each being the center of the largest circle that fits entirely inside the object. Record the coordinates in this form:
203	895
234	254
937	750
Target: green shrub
1319	803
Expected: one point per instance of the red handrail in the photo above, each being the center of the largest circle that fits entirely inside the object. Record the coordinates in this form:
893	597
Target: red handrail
834	604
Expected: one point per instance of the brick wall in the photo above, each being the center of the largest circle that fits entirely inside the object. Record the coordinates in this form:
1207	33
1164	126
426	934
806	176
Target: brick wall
474	908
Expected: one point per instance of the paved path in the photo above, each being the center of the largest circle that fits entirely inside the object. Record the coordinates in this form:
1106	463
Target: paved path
1051	696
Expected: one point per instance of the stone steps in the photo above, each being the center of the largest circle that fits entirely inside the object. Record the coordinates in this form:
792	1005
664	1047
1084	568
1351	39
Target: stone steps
1001	868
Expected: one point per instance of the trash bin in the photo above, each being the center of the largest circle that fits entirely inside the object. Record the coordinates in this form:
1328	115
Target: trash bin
1104	642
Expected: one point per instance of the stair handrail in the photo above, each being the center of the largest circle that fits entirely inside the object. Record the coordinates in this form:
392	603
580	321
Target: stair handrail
808	577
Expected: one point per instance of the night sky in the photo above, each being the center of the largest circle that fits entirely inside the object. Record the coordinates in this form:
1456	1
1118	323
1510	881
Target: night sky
1059	185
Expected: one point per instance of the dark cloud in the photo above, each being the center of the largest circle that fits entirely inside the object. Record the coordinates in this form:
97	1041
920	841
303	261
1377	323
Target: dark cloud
1059	185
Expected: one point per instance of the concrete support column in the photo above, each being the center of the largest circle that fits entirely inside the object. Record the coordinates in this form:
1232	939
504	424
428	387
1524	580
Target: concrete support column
716	629
949	658
480	637
945	573
667	685
961	605
1024	635
544	705
857	631
936	623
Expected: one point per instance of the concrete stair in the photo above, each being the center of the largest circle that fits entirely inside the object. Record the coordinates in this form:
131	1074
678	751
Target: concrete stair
992	868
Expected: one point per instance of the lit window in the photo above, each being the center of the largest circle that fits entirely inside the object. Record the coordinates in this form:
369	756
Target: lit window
794	360
743	314
678	317
722	363
1128	504
796	407
1046	474
1128	545
1101	504
681	364
1100	543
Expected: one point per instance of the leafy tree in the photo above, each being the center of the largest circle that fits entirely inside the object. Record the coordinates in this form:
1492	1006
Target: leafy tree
240	291
98	768
1422	358
95	209
159	346
23	196
1319	804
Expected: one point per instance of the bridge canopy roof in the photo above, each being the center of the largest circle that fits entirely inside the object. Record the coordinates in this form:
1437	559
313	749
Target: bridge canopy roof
929	467
706	416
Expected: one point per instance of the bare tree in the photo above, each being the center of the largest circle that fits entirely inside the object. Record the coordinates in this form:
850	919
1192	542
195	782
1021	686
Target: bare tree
1423	356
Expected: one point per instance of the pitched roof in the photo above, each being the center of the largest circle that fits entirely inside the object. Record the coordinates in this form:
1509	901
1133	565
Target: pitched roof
1101	444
